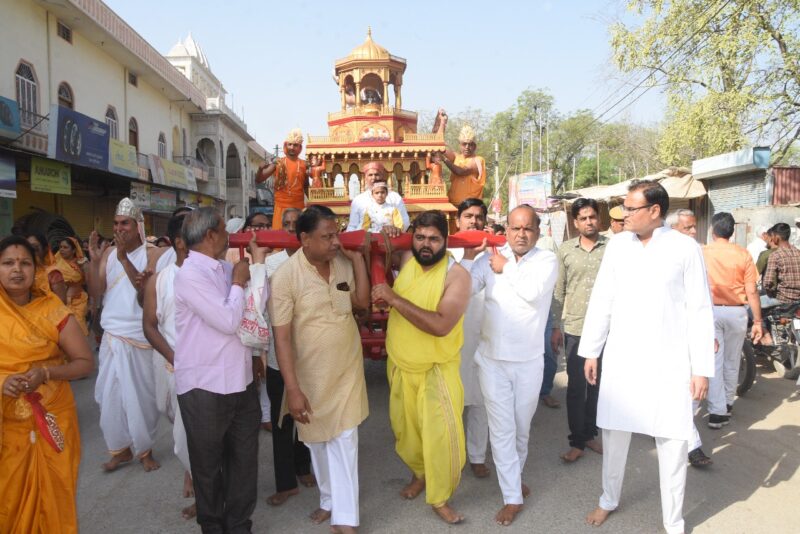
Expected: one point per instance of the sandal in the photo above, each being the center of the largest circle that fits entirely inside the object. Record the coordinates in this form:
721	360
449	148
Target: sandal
697	458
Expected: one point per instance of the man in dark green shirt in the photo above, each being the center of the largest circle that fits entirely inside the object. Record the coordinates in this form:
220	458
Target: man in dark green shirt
579	260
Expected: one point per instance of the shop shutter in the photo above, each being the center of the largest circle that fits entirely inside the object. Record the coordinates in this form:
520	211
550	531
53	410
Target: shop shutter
742	191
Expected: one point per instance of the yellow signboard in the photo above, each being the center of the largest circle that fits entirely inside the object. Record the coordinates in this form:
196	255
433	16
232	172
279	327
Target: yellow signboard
49	176
122	158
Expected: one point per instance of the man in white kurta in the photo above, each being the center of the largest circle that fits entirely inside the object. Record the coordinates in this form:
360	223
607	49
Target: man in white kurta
519	280
651	309
125	386
159	329
359	205
472	216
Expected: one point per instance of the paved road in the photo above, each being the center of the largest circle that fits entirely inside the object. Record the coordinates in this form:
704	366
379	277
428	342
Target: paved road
753	486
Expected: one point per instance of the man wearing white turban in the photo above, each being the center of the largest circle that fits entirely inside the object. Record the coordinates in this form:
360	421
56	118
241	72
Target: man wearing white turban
125	387
291	177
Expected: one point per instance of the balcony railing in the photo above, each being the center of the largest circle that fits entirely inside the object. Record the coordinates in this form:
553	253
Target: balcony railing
371	109
424	191
329	139
200	169
218	103
328	193
437	137
34	132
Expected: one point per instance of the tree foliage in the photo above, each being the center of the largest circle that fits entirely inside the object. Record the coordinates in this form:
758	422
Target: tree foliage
730	69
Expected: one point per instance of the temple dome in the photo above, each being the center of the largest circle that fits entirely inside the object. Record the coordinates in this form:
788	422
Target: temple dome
369	49
189	48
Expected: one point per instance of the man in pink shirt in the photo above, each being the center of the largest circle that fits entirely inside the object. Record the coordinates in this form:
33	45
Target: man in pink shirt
214	376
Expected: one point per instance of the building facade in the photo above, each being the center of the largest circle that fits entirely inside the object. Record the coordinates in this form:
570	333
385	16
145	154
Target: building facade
83	81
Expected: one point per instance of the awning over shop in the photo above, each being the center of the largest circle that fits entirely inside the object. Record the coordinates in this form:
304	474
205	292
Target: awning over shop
678	182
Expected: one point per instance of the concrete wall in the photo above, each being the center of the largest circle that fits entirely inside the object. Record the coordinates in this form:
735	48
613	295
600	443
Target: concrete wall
765	216
97	80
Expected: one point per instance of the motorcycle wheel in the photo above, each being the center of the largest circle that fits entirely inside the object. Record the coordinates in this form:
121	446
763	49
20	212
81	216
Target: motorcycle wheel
747	369
793	371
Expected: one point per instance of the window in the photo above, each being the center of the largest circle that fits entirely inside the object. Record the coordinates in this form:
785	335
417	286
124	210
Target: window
111	120
65	96
64	32
133	79
27	94
133	133
162	146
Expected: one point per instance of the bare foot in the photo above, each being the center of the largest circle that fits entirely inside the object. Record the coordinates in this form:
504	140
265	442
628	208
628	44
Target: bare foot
188	487
480	470
149	463
595	445
308	481
571	455
189	512
343	529
597	517
266	426
447	514
507	514
525	491
413	488
277	499
319	516
117	460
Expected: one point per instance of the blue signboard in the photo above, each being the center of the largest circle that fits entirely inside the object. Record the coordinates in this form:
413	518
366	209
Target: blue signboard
77	138
9	118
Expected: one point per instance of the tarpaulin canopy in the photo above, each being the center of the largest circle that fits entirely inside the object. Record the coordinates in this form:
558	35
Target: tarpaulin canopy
678	182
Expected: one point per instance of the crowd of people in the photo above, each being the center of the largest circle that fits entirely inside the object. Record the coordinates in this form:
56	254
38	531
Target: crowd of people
271	341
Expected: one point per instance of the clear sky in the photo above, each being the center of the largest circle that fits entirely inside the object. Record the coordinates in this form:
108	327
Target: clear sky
275	59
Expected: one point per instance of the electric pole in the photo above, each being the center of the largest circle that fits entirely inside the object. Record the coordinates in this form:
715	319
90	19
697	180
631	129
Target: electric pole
598	163
496	179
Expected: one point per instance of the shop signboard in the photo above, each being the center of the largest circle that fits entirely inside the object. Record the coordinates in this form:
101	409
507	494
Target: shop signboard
77	138
531	189
166	172
140	195
8	177
122	159
48	176
162	199
9	118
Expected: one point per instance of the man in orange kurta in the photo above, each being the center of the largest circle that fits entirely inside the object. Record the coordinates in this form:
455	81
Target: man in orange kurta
467	171
291	177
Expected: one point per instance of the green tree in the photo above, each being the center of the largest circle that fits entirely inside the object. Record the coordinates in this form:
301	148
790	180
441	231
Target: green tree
731	71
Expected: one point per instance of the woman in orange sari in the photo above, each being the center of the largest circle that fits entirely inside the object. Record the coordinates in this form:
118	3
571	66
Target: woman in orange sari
48	277
41	349
71	263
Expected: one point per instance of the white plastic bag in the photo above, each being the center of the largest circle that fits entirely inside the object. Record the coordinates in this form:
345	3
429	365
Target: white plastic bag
255	330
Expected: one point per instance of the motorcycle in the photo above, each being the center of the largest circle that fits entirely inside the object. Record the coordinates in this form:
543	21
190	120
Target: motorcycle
784	326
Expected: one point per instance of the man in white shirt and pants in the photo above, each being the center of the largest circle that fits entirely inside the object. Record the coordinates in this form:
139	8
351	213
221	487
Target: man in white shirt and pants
518	280
471	215
651	309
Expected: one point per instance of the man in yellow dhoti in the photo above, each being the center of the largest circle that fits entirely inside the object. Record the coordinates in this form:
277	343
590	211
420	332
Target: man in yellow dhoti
424	338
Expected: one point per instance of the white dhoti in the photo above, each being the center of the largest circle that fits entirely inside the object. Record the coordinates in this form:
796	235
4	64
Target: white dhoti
125	390
671	474
476	425
730	329
167	403
695	442
336	468
511	395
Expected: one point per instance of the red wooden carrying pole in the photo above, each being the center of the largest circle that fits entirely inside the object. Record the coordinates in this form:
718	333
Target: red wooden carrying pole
373	330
